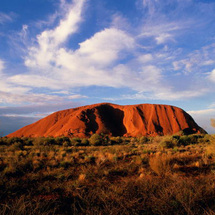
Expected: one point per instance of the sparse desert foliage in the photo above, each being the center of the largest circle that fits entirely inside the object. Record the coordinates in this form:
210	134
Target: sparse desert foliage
116	175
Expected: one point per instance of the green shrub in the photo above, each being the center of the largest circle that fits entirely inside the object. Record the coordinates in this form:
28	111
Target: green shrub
168	142
105	140
133	140
65	144
16	146
84	142
61	140
12	140
184	140
28	142
210	150
207	138
95	140
190	139
49	141
176	137
116	140
175	149
75	141
39	141
195	138
143	140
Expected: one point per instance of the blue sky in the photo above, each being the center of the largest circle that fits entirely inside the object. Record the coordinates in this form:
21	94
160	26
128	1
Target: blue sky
58	54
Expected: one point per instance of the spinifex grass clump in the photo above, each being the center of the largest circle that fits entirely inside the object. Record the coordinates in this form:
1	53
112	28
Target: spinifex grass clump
115	175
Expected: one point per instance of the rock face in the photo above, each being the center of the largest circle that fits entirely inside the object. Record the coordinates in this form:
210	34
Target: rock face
115	120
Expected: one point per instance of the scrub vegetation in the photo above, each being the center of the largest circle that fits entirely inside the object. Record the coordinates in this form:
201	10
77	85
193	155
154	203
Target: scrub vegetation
108	175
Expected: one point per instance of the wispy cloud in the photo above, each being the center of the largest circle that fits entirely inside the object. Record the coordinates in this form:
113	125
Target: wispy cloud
4	18
162	94
202	112
1	66
163	21
161	31
13	98
196	60
7	90
34	110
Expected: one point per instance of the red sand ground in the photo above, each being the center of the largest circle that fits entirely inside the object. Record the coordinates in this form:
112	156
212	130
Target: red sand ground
116	120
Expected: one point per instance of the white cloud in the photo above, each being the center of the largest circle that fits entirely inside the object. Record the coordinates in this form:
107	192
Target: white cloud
77	96
36	81
150	5
39	108
162	38
55	67
145	58
162	31
202	112
49	40
208	62
85	66
63	8
18	95
18	115
196	59
151	74
212	75
6	17
24	31
15	98
5	86
104	46
171	95
161	93
161	21
120	22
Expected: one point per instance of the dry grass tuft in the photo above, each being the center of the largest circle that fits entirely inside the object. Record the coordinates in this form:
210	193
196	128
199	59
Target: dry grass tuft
160	164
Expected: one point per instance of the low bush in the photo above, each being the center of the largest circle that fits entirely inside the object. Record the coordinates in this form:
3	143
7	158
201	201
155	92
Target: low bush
16	146
168	142
84	142
75	141
95	140
143	140
116	140
210	150
184	140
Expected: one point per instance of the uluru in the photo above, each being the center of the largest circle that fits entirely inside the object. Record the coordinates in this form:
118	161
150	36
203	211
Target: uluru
114	120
